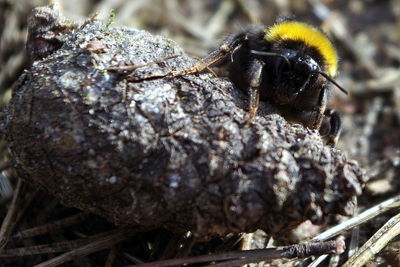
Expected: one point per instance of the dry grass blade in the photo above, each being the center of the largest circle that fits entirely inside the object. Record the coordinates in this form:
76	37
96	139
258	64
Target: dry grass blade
318	261
359	219
376	243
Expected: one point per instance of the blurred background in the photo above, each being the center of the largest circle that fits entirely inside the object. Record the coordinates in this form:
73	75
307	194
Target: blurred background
366	34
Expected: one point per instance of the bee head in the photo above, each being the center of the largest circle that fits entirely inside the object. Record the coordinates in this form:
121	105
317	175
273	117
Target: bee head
300	57
292	71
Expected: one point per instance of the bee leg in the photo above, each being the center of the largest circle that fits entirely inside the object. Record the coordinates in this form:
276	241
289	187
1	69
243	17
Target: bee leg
255	70
335	123
231	44
320	109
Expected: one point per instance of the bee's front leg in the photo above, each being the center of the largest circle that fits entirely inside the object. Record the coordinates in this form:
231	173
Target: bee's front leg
335	123
255	79
320	108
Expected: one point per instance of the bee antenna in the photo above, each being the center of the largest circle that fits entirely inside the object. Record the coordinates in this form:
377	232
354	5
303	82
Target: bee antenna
271	54
326	76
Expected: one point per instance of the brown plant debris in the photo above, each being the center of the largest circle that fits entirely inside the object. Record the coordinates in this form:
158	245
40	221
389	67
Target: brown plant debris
240	258
142	147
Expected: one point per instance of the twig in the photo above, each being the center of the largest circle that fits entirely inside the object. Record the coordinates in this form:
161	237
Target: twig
8	222
316	262
256	255
58	247
43	229
376	243
114	237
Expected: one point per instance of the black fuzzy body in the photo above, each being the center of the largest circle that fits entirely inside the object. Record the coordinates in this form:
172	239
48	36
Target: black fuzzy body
280	82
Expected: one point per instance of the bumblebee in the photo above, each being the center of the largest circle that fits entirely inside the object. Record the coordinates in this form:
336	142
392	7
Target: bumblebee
290	64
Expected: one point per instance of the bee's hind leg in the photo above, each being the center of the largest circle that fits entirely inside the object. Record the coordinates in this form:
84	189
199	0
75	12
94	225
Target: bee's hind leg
255	78
223	53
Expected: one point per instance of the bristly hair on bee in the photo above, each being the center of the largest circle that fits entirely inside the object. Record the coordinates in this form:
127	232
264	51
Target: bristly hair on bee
290	64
